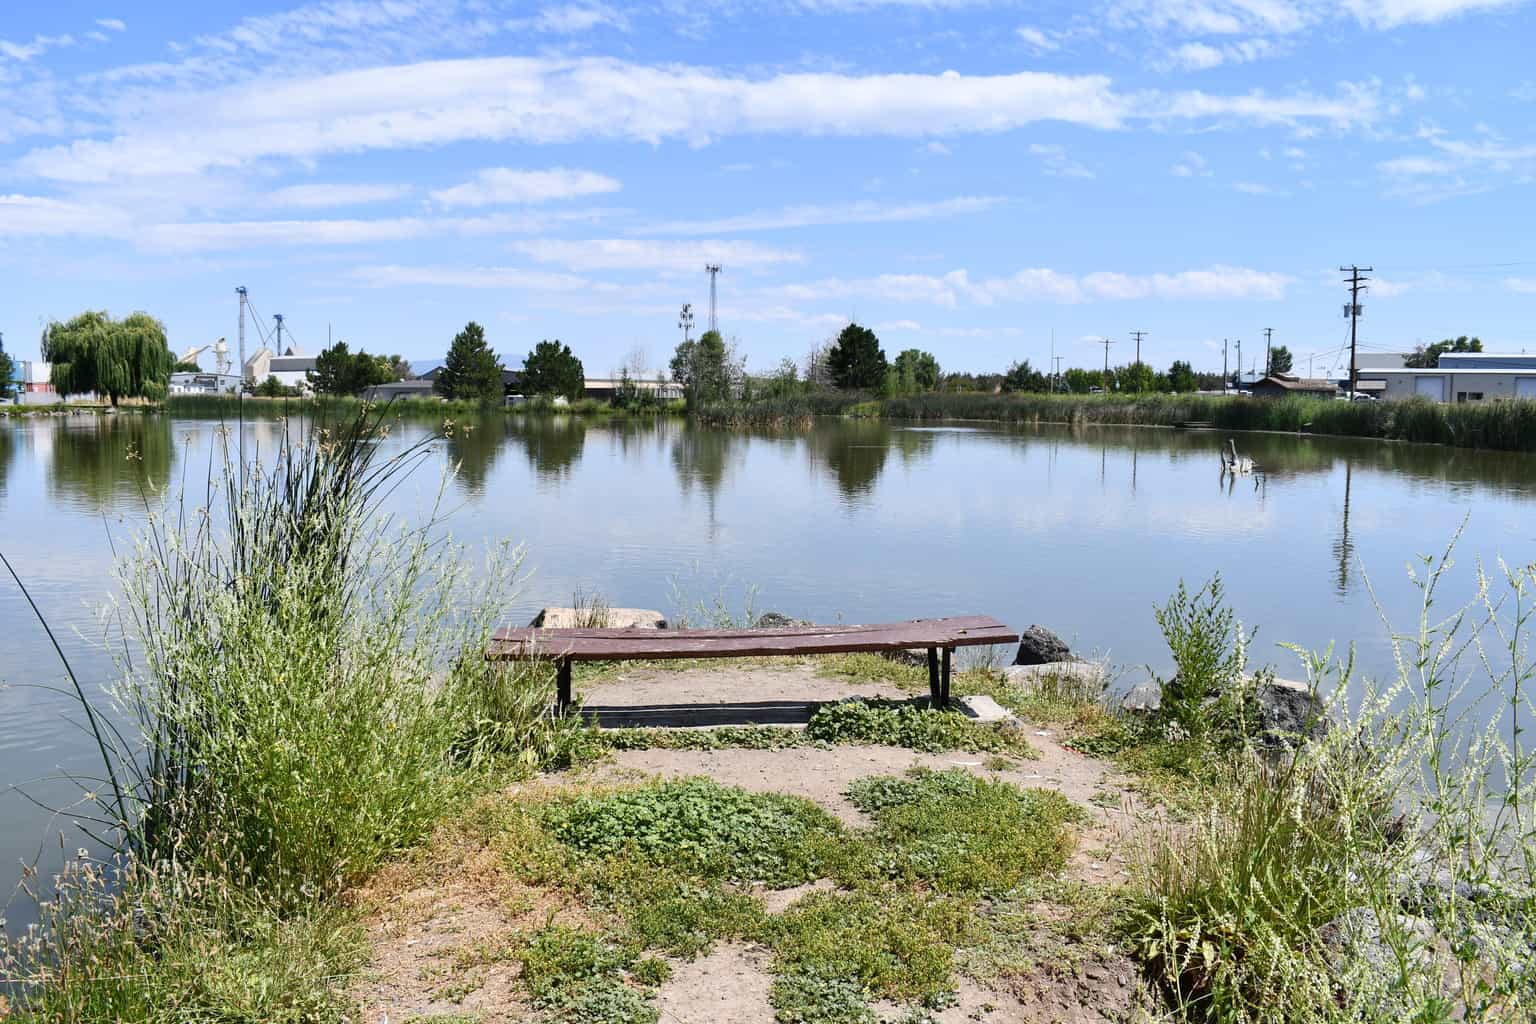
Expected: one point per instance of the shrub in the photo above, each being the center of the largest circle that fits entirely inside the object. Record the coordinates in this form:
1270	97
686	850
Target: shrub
1207	694
911	724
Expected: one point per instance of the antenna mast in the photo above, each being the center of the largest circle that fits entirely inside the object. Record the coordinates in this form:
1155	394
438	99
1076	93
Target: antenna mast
712	269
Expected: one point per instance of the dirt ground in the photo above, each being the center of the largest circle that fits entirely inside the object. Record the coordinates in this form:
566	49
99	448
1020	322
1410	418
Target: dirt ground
434	946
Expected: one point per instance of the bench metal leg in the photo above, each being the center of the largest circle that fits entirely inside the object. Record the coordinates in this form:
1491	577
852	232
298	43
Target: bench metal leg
944	693
563	686
935	690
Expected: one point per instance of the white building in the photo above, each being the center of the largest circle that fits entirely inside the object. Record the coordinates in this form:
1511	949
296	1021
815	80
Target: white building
1460	377
188	383
291	369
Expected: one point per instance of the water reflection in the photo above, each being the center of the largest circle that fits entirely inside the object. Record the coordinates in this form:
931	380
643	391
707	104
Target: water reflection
102	461
854	453
8	448
473	446
553	444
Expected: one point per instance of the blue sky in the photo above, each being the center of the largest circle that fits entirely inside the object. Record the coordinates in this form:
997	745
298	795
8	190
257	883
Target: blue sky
971	178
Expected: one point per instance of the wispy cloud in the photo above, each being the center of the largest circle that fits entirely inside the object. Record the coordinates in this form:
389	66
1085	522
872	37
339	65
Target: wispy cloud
38	46
501	185
1055	161
647	254
1045	284
1521	285
1191	165
551	100
321	196
112	24
861	212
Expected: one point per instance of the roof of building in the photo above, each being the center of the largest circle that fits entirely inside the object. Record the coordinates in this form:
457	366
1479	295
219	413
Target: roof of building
291	364
1444	371
1288	383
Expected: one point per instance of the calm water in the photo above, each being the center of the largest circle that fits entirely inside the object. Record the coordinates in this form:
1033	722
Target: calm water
1082	530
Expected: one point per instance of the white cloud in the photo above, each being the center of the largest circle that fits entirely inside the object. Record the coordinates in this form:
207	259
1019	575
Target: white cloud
391	276
1045	284
1410	166
39	215
36	48
1057	163
1196	57
861	212
1521	285
319	196
1038	39
571	19
1393	13
552	100
1254	188
1190	166
496	185
112	24
638	254
936	149
207	235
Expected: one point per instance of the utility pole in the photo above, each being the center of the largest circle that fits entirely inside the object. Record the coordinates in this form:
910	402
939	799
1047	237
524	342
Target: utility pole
1225	377
712	269
1268	366
1356	282
1138	335
1056	377
240	291
1106	342
1239	344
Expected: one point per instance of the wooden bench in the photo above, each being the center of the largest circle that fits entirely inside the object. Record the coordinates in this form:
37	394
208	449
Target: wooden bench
564	646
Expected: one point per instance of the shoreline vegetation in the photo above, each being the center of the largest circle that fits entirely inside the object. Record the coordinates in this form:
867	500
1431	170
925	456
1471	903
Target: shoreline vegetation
1501	426
296	735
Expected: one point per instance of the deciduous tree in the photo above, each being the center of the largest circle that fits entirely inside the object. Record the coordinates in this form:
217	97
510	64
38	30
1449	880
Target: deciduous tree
916	370
1023	377
1181	377
1427	357
707	369
1280	359
125	358
339	371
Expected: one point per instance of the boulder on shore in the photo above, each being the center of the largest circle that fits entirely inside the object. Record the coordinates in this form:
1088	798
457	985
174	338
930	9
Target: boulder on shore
1040	646
614	618
1144	699
1289	712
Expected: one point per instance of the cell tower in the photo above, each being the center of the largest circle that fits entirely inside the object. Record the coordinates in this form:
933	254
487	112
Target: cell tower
712	269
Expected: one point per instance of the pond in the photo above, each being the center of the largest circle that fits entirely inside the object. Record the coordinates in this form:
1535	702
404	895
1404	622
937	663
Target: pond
1082	530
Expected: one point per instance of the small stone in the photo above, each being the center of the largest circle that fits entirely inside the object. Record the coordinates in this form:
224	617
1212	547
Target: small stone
1144	699
778	620
1040	646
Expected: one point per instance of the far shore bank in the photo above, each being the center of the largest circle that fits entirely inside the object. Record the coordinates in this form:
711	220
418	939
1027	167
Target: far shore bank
1496	426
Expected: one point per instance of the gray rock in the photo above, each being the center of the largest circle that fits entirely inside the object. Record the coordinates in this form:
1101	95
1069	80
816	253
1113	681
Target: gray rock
614	618
1039	646
1290	712
1086	672
778	620
981	708
1358	936
1144	699
915	656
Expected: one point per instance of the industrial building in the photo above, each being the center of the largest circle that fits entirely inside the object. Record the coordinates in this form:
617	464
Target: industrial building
1460	377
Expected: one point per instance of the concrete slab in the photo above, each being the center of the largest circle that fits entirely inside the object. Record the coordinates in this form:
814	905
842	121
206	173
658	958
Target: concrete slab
617	618
984	709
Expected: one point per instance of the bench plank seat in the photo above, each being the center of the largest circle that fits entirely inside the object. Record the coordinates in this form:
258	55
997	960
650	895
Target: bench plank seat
568	645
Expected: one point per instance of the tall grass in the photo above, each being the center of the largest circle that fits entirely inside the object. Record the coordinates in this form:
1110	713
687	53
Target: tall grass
1386	872
1507	426
310	694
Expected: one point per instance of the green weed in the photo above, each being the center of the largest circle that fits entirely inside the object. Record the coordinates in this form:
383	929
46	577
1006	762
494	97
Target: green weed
703	828
962	834
914	725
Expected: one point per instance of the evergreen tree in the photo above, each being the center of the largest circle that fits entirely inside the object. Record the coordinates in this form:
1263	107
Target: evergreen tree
856	359
7	371
552	369
471	371
125	358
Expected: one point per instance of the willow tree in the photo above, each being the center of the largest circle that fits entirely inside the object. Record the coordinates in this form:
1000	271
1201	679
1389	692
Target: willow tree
125	358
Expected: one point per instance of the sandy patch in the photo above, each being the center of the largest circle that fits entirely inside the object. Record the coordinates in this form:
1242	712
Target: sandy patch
730	983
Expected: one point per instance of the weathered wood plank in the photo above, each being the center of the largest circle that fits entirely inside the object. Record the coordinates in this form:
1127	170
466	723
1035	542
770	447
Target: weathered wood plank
622	645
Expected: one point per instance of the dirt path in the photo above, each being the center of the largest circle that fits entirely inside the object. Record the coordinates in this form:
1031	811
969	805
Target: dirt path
435	939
